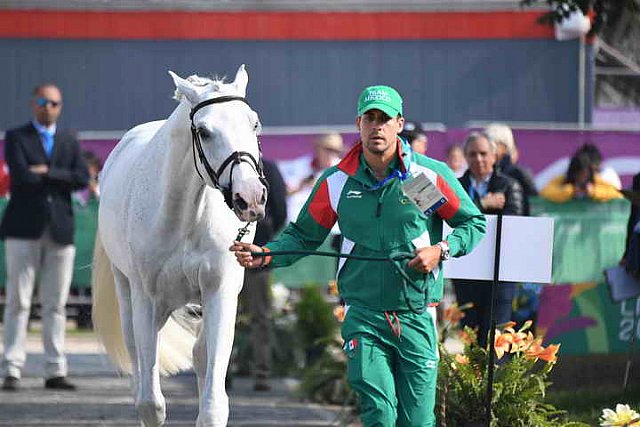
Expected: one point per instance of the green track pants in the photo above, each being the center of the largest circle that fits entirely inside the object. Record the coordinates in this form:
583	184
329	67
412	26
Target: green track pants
395	376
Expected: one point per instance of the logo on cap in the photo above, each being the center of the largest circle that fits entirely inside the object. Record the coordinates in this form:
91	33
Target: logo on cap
383	98
377	95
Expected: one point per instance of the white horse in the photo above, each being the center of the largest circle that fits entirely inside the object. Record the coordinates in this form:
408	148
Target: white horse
163	237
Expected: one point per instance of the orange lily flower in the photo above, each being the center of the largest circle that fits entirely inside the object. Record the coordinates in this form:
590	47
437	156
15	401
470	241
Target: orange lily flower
502	343
550	354
462	359
453	314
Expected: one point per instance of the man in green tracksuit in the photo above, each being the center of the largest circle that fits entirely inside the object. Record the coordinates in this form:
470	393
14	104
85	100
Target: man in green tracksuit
389	329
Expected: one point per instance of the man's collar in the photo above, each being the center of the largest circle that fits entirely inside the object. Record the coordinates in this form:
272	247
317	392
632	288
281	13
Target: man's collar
350	163
42	128
484	180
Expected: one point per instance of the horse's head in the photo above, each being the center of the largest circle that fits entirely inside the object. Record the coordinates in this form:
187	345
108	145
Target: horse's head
225	141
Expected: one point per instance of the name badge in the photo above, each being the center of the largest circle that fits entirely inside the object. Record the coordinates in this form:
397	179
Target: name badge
423	193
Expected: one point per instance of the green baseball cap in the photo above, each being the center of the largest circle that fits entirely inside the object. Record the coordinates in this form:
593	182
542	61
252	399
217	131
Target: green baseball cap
383	98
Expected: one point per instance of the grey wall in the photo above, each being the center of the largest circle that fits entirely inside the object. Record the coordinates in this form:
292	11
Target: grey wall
113	85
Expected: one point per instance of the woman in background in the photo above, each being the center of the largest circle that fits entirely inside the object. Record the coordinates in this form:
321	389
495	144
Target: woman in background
580	182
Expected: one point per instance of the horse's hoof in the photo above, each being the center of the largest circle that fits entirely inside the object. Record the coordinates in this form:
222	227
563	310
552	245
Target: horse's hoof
152	414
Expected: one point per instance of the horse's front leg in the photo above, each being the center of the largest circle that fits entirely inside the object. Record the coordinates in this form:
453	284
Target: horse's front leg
150	402
220	308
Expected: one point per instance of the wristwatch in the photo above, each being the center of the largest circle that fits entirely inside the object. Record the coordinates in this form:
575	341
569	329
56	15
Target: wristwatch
445	253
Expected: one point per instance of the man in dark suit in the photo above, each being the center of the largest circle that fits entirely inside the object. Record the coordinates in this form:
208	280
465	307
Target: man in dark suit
493	193
45	166
255	298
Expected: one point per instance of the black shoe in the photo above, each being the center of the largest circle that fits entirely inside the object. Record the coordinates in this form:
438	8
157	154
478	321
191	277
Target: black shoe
59	383
11	383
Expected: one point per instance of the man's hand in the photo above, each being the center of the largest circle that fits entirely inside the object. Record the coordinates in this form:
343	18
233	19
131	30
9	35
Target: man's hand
493	201
242	251
426	259
39	169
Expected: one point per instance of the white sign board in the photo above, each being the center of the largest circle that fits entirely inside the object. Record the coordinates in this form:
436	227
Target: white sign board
526	251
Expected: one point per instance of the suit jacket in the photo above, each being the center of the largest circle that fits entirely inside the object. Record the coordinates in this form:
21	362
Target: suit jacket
38	201
499	183
524	178
276	209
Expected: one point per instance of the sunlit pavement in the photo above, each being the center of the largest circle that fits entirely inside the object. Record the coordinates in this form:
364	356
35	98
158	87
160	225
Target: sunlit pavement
103	397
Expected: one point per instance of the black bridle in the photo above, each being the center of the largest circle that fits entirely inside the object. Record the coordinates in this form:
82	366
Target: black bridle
234	158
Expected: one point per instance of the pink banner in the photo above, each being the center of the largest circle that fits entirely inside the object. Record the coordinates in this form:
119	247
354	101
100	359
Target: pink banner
545	152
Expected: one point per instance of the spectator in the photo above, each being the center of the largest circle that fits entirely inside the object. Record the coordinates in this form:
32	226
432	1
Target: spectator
92	192
300	176
46	165
413	133
579	182
608	174
507	156
632	244
255	297
493	193
455	160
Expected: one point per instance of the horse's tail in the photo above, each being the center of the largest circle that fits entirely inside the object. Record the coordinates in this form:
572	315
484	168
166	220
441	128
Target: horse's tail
105	311
176	341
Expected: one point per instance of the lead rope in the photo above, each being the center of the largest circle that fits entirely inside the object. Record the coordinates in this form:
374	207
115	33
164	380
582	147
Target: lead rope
396	259
242	231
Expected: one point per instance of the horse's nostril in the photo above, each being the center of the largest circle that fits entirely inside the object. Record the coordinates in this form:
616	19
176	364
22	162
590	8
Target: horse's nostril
240	203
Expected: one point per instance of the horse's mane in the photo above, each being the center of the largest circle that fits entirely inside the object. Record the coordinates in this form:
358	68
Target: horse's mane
215	82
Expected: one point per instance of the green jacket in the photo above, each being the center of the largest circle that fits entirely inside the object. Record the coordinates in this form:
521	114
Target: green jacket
376	220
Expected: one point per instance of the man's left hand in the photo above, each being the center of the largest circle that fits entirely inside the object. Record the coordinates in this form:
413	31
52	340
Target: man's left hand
426	259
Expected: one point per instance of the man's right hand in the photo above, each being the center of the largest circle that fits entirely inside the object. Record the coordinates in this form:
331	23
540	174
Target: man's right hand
493	201
242	251
42	169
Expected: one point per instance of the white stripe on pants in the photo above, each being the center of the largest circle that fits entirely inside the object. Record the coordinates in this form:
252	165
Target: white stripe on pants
52	264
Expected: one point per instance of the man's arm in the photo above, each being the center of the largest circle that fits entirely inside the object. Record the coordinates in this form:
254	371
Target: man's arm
73	177
468	223
307	233
23	178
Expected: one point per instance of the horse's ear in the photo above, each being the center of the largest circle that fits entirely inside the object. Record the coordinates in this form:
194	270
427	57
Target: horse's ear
184	87
241	81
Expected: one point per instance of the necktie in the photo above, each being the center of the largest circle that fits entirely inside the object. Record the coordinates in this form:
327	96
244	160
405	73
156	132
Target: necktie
47	142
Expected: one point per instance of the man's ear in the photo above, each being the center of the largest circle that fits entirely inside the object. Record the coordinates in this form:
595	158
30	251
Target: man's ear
358	118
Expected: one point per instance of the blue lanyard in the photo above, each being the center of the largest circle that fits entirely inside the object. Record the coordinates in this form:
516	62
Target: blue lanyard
395	174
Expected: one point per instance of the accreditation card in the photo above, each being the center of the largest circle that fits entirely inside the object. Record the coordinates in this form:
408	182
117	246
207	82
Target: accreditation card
423	193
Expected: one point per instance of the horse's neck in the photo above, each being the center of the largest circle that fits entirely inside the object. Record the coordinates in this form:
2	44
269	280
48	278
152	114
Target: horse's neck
182	187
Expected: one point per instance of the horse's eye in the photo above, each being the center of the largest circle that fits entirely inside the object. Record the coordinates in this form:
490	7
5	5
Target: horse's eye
257	127
203	133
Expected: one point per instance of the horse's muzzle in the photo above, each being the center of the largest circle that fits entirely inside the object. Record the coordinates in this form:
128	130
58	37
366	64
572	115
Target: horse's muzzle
249	212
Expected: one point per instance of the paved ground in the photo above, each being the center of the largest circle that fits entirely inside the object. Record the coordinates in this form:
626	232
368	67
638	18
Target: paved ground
103	397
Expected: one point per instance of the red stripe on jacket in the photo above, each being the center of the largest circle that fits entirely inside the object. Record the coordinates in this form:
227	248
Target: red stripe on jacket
449	209
351	162
320	207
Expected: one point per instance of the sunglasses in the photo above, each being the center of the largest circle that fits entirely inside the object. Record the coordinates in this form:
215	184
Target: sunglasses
42	102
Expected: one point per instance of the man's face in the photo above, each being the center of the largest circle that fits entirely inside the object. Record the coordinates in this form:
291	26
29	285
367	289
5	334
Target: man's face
47	105
480	158
378	131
